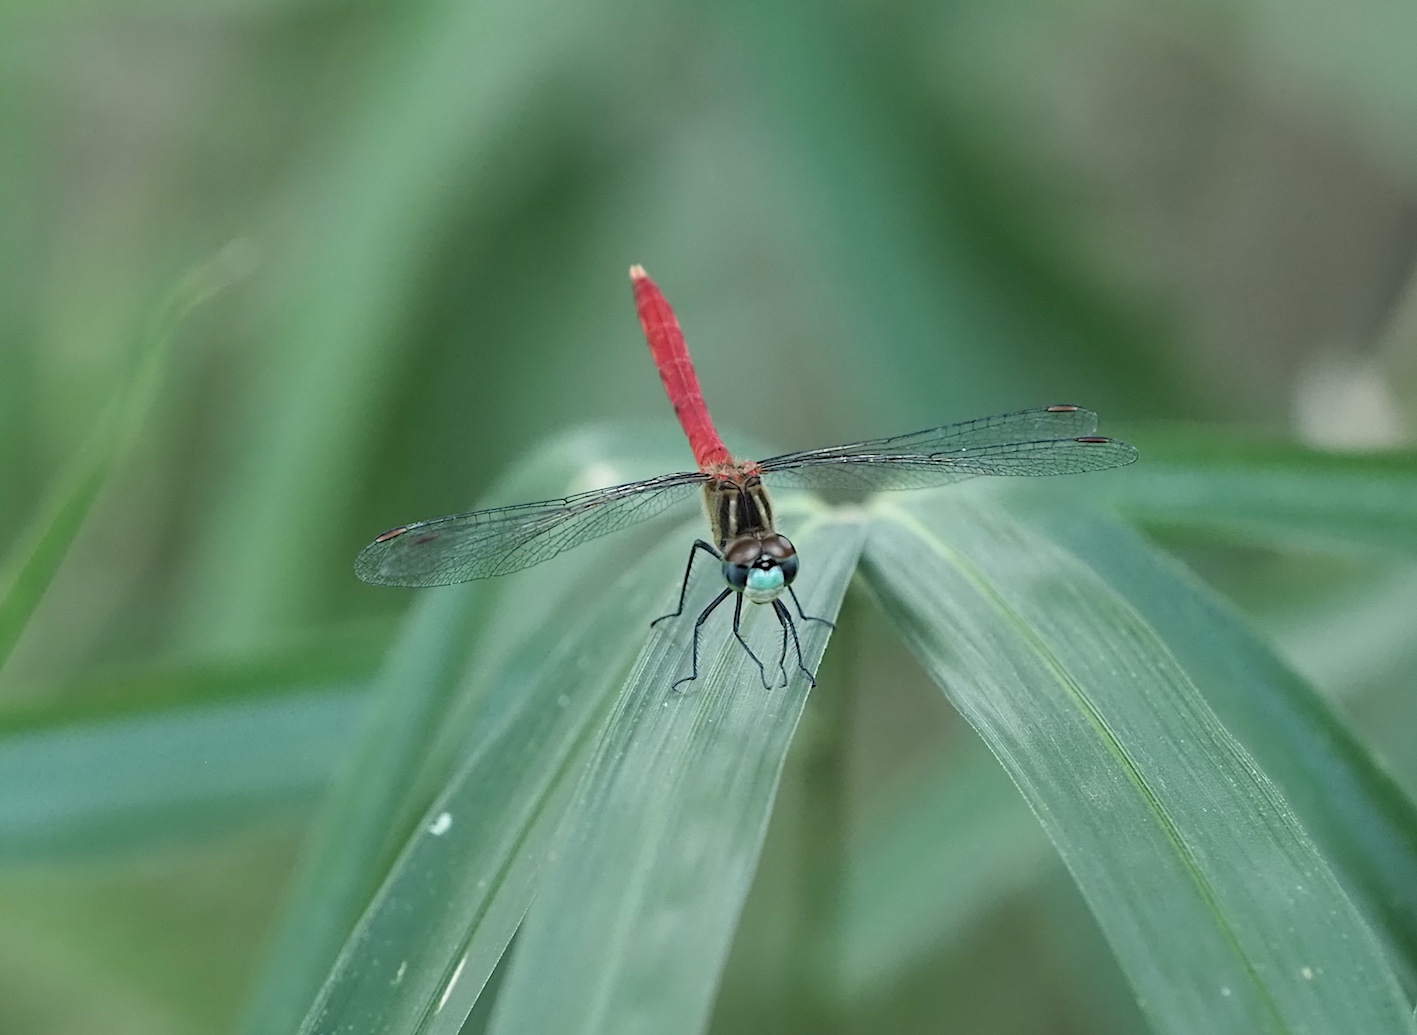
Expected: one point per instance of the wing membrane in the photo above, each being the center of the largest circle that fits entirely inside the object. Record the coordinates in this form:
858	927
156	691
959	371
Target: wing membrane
1041	424
915	462
484	543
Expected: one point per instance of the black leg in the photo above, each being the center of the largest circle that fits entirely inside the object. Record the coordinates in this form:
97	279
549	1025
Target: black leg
694	673
805	616
699	544
737	617
785	617
782	654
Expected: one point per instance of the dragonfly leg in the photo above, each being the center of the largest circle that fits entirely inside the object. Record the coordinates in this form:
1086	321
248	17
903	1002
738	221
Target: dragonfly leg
694	671
805	616
782	654
738	617
785	617
699	544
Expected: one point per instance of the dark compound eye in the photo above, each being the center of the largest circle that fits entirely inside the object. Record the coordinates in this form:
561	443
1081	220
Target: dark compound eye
736	575
789	568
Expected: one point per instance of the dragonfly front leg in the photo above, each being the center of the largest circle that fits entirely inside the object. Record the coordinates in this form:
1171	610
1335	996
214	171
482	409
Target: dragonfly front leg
782	654
737	617
785	617
694	671
699	544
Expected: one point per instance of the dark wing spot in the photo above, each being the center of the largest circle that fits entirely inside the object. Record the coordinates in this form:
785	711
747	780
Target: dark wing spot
1094	439
1061	409
392	533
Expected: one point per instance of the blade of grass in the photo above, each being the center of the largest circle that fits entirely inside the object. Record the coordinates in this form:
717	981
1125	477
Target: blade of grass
1221	911
1361	819
635	918
344	864
1265	491
78	789
422	952
44	543
414	702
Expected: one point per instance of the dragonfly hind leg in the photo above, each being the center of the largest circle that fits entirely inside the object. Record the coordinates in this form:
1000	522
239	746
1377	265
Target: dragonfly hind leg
785	617
698	625
699	544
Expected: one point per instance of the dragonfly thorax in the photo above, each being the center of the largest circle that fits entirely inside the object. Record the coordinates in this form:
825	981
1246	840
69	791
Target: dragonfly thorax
760	565
737	506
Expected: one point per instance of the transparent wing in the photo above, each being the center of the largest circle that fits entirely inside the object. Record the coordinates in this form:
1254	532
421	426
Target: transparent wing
1036	425
484	543
987	446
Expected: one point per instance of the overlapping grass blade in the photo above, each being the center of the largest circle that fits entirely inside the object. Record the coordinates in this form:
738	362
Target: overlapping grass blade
349	848
1219	908
635	918
1363	822
421	954
496	625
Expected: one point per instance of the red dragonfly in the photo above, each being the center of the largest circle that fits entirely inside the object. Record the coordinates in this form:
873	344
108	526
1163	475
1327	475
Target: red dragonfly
757	561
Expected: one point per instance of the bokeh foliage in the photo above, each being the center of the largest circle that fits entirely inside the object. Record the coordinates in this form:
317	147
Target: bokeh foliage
871	217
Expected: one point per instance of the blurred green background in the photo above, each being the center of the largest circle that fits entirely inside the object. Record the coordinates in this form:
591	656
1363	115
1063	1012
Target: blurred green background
871	217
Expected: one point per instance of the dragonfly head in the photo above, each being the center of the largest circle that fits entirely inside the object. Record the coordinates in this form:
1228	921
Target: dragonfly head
760	566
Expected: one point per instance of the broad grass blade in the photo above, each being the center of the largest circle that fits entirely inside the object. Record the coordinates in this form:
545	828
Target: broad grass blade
1363	822
632	925
489	636
1219	908
420	955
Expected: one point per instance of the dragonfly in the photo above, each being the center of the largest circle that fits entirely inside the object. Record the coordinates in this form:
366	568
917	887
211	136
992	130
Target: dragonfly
757	562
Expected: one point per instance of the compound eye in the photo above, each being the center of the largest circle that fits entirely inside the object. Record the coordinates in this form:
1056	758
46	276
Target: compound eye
789	569
736	575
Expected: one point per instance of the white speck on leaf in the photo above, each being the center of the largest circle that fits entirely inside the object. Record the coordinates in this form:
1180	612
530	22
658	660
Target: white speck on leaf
1307	973
1225	990
440	826
451	982
403	969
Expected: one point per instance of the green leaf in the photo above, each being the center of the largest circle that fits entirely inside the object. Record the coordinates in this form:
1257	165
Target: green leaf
635	917
1363	822
1221	911
416	700
345	865
457	893
79	788
1266	491
43	545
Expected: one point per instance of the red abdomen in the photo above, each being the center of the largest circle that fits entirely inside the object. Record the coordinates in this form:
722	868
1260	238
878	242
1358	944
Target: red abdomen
671	356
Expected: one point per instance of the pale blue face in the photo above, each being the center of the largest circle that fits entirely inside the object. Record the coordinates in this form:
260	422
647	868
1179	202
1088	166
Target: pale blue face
764	584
